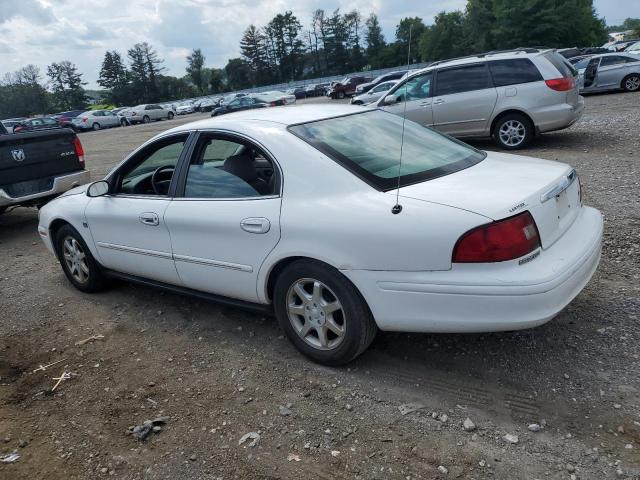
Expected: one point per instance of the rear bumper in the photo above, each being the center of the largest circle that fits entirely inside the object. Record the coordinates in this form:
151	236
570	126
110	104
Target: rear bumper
61	184
487	297
557	117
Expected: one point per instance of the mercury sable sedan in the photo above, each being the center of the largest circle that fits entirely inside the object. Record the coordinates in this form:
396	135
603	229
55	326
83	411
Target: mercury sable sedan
298	211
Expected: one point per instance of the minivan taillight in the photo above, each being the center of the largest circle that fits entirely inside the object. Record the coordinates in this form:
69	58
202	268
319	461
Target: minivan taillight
79	150
561	84
498	241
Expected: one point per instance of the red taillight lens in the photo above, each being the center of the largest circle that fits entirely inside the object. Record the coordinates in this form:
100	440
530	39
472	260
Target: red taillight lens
498	241
17	129
84	119
561	84
79	149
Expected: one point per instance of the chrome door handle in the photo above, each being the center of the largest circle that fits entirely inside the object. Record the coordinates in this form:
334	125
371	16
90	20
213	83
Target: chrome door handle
438	101
425	104
149	218
255	225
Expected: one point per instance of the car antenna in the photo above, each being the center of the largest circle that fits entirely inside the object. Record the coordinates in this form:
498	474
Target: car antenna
397	208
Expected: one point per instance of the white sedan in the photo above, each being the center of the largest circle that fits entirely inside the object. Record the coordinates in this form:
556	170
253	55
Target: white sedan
294	211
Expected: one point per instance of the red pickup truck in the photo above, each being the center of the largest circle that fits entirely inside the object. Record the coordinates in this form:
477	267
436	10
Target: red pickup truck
347	86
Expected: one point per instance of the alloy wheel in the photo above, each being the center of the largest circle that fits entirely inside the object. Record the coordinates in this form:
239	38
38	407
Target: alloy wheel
76	259
512	133
316	314
632	84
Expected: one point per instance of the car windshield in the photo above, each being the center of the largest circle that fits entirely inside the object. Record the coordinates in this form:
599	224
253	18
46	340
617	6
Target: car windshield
368	144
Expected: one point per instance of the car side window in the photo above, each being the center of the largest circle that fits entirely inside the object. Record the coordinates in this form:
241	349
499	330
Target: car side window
461	79
416	88
150	171
513	71
613	60
224	168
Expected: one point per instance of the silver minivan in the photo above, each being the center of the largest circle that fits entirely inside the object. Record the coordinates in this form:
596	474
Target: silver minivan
509	96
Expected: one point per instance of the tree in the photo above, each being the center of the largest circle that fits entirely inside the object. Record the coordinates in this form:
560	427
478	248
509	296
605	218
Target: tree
22	94
479	22
445	38
413	27
374	41
216	80
114	78
253	51
238	74
145	68
195	64
284	47
66	83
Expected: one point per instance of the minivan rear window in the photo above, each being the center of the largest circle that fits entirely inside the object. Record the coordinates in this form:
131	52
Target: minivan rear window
564	67
368	144
513	71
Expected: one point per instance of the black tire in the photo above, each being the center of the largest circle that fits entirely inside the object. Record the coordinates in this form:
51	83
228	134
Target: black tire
340	95
358	323
95	280
95	126
170	116
631	83
146	119
2	210
523	134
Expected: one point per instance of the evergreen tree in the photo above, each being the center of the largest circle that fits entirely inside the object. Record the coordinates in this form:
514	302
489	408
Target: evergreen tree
67	85
195	64
253	51
114	78
145	68
374	41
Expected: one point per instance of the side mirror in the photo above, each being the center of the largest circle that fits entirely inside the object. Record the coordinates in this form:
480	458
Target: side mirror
98	189
390	99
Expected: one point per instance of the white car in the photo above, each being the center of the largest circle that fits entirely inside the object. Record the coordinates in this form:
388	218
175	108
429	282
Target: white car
185	108
148	112
294	211
373	95
275	96
95	120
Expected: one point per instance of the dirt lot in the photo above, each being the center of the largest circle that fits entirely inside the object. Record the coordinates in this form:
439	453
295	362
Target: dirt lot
219	373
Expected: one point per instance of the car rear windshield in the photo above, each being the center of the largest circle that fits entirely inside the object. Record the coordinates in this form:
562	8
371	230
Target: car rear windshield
369	145
564	67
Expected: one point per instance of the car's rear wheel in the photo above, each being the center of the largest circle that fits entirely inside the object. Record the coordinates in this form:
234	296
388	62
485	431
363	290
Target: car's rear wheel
340	95
2	210
513	131
96	126
123	123
170	116
146	119
78	264
631	83
322	313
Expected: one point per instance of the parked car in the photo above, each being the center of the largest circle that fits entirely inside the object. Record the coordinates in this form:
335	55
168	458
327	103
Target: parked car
479	242
275	97
148	112
230	97
185	108
509	96
119	110
385	77
298	92
238	104
207	105
33	124
35	166
310	90
634	48
65	119
373	94
347	86
10	123
610	71
96	120
621	45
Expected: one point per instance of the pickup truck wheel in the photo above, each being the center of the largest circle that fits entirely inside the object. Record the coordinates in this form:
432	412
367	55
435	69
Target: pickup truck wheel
96	126
322	313
170	116
146	119
78	264
340	95
513	131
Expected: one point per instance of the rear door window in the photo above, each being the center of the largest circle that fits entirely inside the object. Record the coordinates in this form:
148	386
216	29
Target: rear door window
462	79
513	71
563	67
613	60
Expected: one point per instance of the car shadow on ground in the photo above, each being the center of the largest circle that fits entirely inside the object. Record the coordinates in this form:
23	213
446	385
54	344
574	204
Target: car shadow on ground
18	221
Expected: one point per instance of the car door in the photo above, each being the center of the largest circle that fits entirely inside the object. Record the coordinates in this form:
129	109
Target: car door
128	224
225	219
110	119
412	99
611	72
464	100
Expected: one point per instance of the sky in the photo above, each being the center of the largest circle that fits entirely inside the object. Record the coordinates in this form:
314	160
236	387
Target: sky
45	31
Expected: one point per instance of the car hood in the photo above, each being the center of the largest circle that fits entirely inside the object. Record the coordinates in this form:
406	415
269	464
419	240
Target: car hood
76	190
499	186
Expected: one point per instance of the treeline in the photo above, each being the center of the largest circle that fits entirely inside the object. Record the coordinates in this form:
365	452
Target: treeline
329	43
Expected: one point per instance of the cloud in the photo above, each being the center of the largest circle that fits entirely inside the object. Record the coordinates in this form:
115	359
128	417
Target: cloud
35	11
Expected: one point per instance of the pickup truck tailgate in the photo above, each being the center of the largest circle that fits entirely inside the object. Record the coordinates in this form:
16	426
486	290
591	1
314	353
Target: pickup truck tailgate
34	158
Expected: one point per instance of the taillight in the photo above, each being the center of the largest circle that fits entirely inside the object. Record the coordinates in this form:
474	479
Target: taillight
84	119
561	84
79	149
498	241
133	114
273	104
17	129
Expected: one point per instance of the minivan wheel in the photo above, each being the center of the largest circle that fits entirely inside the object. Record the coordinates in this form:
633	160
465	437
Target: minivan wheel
631	83
78	264
96	126
146	119
513	131
322	313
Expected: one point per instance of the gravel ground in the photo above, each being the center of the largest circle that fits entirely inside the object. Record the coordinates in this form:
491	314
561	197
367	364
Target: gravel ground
219	373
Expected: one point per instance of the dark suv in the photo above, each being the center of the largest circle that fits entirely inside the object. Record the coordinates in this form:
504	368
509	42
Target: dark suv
64	118
347	86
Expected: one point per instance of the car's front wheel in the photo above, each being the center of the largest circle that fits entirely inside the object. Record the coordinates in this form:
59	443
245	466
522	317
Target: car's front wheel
170	116
322	313
146	119
513	131
96	126
631	83
78	264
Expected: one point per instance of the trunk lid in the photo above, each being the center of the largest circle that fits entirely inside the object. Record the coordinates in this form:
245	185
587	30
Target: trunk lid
503	185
